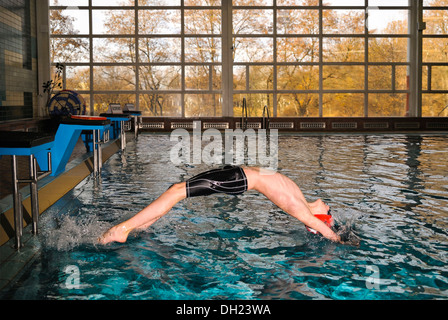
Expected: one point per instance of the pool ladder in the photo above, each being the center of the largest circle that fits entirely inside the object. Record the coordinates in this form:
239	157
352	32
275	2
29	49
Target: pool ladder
244	115
265	121
442	110
266	118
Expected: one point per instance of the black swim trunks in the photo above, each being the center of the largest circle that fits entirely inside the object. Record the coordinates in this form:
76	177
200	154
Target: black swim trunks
230	180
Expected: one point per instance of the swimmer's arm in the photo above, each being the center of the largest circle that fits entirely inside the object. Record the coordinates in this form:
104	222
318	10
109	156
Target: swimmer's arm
283	192
301	211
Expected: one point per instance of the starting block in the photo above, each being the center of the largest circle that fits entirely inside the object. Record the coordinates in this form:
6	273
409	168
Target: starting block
17	143
51	152
129	108
118	118
67	136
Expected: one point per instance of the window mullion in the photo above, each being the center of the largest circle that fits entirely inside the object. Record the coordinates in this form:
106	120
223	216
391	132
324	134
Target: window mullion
92	82
366	61
137	56
321	75
182	35
274	69
227	61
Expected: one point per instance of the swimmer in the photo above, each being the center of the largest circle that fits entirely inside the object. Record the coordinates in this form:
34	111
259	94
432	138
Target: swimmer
232	180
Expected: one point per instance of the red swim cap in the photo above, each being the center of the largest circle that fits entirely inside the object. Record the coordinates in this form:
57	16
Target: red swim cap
326	218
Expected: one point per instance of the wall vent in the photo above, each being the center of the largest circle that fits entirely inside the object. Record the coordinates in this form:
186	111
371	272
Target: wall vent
376	125
344	125
437	125
407	125
216	125
152	125
184	125
312	125
250	125
281	125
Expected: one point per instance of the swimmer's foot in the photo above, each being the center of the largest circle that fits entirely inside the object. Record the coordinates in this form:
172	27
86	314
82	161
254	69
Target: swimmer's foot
115	234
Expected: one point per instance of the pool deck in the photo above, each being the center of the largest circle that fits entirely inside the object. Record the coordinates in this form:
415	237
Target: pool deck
51	189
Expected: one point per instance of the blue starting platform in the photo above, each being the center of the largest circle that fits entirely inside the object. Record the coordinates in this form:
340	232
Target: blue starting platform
52	153
17	143
129	109
117	117
94	131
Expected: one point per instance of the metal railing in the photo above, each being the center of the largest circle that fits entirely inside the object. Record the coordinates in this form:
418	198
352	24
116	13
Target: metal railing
35	176
266	118
244	115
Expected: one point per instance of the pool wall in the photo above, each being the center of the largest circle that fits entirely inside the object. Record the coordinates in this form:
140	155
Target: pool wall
302	125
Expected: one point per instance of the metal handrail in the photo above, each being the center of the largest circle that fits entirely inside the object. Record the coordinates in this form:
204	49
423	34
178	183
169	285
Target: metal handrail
442	110
266	117
35	176
244	115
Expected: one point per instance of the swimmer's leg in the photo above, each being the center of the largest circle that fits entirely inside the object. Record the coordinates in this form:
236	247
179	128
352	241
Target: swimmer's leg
145	218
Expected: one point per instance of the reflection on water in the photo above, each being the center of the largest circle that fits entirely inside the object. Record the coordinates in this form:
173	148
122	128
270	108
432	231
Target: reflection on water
391	189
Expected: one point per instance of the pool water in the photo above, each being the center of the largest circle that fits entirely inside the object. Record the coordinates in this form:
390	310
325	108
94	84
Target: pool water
392	190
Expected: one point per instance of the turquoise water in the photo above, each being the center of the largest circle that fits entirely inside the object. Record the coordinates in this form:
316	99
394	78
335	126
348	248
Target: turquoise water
392	190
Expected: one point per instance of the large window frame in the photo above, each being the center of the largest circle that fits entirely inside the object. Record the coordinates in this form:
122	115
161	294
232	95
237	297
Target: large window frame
433	98
322	90
228	96
181	92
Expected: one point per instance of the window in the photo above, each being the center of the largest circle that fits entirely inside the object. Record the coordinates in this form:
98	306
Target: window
321	58
165	56
306	58
435	59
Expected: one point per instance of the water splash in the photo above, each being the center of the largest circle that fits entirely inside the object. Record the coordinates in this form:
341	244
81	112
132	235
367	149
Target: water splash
71	231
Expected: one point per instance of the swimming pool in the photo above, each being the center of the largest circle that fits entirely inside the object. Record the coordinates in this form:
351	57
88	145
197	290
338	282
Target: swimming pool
391	189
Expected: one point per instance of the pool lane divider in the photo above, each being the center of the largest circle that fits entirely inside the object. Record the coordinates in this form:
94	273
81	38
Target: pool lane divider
53	188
